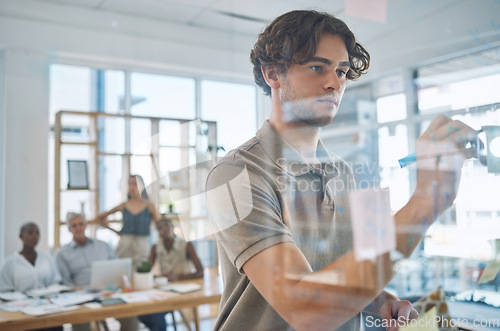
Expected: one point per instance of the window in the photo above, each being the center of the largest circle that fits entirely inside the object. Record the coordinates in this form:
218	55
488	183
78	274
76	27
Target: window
230	105
163	96
125	144
391	108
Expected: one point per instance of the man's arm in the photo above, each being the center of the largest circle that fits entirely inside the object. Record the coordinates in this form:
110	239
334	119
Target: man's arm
284	277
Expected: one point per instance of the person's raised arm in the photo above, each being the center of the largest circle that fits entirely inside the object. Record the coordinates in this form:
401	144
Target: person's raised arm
284	277
102	221
440	156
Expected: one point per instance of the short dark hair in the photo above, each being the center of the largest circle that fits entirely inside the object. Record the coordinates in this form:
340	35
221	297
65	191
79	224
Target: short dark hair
26	226
167	221
294	37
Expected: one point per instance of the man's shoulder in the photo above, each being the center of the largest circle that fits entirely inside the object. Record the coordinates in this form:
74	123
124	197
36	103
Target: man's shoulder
237	157
241	152
99	242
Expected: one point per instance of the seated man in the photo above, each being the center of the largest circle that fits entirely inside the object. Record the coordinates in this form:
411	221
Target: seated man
74	262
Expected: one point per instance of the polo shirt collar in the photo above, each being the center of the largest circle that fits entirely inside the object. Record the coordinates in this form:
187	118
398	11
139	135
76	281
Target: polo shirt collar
287	158
74	244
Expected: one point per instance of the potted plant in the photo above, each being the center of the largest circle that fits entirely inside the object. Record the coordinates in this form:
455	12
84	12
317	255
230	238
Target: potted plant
143	276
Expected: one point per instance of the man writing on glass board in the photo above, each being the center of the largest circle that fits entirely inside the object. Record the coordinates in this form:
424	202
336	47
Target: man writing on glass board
279	203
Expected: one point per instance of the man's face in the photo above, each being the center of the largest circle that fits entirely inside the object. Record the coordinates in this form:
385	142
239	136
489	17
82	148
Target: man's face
311	92
77	227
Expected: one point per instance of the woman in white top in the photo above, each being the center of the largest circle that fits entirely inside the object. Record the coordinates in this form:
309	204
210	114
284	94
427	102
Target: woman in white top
29	268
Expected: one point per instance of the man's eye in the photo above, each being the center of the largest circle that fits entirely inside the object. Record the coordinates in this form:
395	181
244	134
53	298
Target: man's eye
341	73
317	68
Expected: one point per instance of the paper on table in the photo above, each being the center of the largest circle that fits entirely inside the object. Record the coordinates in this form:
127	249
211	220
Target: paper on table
426	322
12	296
22	304
490	272
372	10
161	295
130	297
48	291
374	230
70	299
47	309
181	288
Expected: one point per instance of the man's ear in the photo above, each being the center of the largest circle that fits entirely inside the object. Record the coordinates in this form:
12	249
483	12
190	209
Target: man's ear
270	76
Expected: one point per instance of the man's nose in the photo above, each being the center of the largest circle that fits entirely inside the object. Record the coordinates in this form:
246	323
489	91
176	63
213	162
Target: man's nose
332	81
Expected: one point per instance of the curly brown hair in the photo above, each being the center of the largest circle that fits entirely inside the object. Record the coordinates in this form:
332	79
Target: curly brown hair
293	38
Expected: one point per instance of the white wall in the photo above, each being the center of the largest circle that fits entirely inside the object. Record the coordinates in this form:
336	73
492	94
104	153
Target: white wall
26	138
3	127
30	46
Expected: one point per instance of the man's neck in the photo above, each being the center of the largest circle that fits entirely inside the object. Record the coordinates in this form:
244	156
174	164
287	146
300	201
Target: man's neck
303	138
80	241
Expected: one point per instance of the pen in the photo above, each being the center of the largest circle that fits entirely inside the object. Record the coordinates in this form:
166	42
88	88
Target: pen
475	150
407	160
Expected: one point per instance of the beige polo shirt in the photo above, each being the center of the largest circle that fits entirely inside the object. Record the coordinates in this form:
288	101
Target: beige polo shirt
262	194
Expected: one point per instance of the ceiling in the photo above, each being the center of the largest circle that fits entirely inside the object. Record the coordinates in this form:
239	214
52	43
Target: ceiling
249	17
413	32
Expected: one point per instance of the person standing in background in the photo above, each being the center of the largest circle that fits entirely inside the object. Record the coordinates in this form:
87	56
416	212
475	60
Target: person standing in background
137	213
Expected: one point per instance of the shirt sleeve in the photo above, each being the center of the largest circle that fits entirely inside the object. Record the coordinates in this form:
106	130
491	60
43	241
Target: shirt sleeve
55	276
110	252
244	210
7	277
62	266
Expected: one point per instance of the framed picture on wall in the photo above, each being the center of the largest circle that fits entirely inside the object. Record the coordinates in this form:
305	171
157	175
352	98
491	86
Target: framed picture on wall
77	174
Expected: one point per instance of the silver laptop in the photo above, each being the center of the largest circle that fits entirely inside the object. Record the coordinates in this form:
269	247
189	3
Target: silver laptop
109	273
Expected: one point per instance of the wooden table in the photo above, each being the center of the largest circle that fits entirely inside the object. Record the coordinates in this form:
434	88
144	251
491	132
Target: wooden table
210	293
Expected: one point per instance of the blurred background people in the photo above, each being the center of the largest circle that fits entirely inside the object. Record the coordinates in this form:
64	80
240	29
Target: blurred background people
74	261
29	269
137	213
177	260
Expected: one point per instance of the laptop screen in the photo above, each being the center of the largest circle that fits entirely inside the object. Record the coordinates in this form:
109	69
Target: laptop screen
108	273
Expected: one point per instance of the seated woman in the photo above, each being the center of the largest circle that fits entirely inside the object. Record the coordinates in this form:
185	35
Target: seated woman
177	259
29	269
